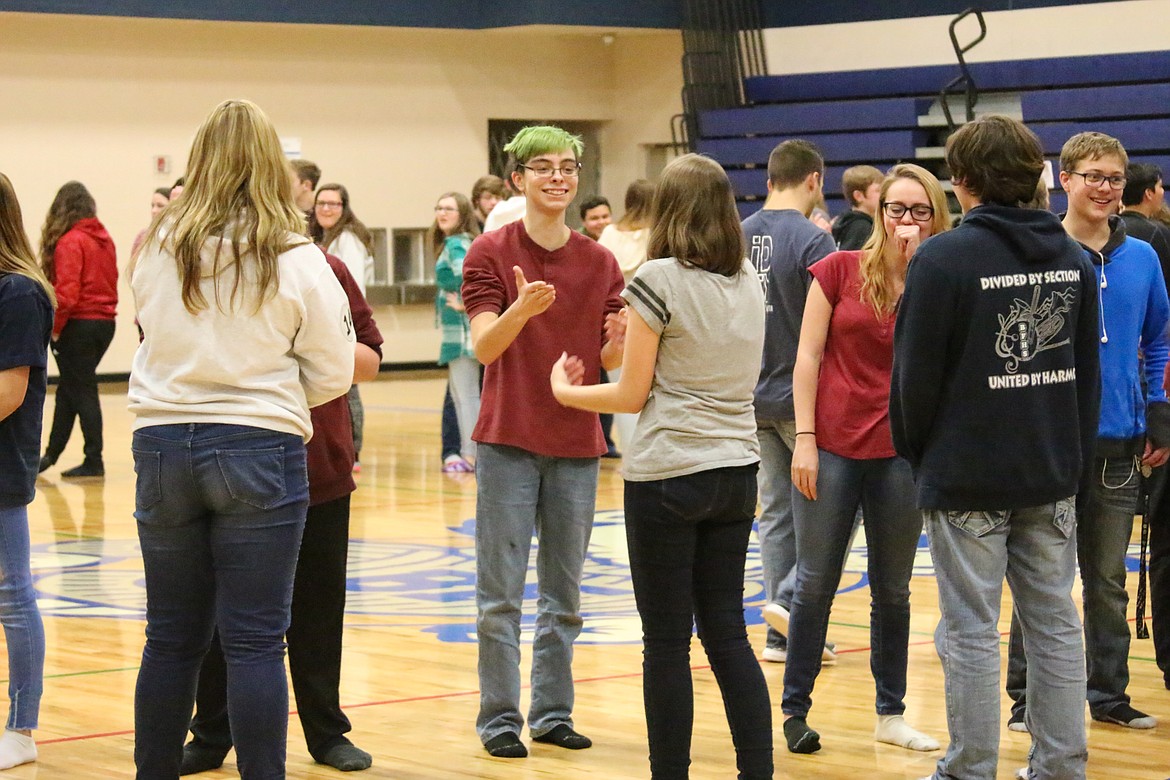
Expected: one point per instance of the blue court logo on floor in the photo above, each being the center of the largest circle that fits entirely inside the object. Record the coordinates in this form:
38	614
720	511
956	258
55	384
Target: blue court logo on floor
430	587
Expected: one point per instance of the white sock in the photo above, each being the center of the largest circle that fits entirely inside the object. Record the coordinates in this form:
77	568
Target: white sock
894	730
16	749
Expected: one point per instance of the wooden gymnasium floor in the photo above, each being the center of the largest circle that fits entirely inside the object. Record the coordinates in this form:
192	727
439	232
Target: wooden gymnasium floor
409	681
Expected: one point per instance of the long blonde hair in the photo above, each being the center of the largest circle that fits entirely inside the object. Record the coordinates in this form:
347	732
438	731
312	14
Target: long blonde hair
16	254
238	181
875	287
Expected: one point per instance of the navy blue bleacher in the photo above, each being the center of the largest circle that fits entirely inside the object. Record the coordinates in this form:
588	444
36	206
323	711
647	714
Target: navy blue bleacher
788	118
753	182
872	117
839	147
1135	134
1112	102
1016	75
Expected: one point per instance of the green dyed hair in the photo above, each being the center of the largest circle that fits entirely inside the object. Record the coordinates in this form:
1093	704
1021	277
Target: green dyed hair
542	139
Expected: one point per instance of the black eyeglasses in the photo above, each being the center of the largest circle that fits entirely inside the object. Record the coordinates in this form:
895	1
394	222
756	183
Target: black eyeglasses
1094	179
568	170
918	213
329	204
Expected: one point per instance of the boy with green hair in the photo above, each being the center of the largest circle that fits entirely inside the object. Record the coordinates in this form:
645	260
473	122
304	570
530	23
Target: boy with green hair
532	289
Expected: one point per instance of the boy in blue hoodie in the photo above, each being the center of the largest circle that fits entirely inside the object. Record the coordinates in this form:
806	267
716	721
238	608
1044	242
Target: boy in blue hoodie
993	402
1134	430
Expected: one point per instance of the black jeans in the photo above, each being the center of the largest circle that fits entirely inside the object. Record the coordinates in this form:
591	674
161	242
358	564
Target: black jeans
688	539
78	350
1159	569
314	641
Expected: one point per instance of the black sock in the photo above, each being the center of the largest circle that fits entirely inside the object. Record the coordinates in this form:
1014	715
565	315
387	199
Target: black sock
201	757
800	738
347	757
506	745
562	735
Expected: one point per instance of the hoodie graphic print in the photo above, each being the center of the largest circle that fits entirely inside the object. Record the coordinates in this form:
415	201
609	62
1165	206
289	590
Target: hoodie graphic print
995	384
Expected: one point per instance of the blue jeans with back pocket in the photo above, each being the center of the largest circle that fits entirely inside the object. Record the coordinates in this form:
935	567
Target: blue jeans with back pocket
1035	549
220	511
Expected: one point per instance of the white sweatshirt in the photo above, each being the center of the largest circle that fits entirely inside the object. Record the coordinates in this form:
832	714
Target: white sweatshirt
347	248
628	246
264	369
504	212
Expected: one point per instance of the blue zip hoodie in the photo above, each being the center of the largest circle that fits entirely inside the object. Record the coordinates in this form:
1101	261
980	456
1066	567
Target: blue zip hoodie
1134	312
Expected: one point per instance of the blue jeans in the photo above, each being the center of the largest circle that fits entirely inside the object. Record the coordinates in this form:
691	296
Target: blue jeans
450	435
24	633
357	418
776	531
314	642
1103	532
1035	549
884	489
520	493
220	512
688	539
463	384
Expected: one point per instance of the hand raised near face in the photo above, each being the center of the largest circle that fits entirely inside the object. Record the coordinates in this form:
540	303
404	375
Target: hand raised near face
532	297
907	238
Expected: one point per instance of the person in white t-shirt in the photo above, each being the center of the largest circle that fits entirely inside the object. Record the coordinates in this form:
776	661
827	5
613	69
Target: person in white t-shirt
506	211
337	229
628	239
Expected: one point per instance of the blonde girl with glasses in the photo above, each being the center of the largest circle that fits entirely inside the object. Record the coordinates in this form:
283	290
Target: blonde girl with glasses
844	456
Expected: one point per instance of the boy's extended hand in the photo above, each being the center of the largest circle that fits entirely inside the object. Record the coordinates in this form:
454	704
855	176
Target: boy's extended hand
532	298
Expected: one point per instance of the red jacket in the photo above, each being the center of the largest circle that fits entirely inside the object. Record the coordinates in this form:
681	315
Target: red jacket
85	274
330	451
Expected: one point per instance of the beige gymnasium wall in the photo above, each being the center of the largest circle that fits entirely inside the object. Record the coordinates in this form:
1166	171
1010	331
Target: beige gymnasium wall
397	115
1061	31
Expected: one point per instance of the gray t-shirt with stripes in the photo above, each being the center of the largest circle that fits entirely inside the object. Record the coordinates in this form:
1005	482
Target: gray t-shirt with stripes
699	415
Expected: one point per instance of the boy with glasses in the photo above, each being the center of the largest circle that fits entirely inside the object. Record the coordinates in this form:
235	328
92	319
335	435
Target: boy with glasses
993	402
1134	428
532	289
